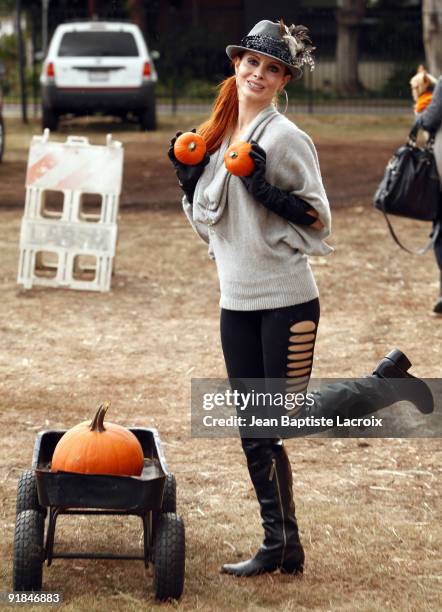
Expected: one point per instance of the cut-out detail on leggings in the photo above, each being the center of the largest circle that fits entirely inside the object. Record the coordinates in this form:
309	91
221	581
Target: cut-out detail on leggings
299	364
302	327
299	348
296	389
300	356
303	338
299	339
301	380
293	373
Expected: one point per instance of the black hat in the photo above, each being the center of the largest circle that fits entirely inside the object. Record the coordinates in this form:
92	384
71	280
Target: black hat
289	45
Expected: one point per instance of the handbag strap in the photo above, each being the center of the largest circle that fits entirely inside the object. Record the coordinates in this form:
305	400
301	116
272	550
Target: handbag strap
412	137
421	251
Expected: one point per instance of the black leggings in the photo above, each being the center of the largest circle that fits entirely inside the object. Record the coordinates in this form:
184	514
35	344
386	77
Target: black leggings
276	343
438	244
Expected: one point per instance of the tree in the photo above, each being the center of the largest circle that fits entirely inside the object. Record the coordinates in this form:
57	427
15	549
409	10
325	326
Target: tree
136	13
432	33
349	16
21	62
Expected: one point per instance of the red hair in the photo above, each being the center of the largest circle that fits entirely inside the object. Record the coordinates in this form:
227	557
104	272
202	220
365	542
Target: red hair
224	116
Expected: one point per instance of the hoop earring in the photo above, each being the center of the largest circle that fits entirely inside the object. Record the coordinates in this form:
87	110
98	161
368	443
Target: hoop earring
286	102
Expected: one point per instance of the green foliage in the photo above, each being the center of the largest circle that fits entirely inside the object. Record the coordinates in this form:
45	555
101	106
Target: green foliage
197	89
8	56
8	48
397	33
187	57
7	6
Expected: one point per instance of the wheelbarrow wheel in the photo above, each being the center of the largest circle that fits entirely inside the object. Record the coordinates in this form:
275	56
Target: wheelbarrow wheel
27	496
169	501
169	559
169	495
28	551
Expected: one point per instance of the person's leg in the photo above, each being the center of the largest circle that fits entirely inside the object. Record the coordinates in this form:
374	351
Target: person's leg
241	343
353	399
438	254
287	337
267	460
242	348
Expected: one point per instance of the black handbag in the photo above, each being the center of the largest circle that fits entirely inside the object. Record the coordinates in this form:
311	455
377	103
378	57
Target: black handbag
411	187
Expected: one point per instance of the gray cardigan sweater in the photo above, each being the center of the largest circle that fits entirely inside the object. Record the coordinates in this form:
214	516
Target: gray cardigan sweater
431	120
261	258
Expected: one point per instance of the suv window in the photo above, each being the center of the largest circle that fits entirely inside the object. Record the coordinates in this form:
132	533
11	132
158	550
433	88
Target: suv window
96	44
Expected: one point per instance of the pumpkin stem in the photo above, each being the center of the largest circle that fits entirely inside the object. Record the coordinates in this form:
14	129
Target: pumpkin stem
97	421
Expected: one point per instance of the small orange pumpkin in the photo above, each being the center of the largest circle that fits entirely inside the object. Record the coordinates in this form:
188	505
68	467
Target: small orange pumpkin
92	448
238	160
190	148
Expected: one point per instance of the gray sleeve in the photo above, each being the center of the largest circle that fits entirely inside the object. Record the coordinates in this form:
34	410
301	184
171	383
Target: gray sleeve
199	228
303	175
431	118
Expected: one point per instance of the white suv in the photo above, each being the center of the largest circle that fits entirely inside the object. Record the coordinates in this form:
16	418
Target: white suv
98	67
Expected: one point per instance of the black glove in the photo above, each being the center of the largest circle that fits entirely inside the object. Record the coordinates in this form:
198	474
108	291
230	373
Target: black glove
188	176
284	204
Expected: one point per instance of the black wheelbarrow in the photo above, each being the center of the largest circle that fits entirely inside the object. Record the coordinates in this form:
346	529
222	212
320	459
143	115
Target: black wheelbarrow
152	496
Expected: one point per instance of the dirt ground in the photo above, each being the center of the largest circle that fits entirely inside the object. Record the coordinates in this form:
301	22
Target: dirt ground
352	156
369	510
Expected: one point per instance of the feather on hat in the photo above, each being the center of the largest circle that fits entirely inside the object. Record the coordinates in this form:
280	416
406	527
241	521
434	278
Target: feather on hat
298	41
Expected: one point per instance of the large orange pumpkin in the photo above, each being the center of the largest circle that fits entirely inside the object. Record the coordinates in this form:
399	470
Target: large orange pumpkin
92	448
238	160
190	148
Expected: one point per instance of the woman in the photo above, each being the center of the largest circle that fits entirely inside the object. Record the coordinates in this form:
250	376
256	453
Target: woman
260	230
430	120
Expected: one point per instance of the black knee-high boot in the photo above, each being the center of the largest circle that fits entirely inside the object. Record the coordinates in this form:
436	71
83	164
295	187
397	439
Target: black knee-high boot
438	306
438	253
389	383
271	475
270	469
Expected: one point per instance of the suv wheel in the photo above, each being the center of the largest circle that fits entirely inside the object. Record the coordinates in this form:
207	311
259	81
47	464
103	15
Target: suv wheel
49	119
148	118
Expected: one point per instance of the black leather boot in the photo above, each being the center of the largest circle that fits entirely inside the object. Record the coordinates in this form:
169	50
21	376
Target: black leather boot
389	383
438	306
271	475
394	367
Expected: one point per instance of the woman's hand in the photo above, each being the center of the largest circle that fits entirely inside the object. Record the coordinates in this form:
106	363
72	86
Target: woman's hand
256	183
187	175
286	205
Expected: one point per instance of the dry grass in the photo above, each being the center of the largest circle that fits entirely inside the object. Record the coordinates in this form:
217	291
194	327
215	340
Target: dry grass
369	510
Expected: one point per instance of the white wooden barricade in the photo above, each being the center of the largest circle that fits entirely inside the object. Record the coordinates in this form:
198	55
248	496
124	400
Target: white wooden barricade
63	243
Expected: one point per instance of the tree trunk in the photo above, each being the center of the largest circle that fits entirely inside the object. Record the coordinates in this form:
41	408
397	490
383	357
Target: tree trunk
195	13
432	32
21	63
92	9
137	16
349	17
